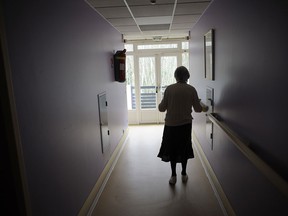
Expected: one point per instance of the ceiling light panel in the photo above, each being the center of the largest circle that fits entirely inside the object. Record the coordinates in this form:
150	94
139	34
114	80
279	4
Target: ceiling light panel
153	20
154	27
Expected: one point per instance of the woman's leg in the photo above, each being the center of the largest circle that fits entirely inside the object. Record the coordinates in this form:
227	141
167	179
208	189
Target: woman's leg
173	178
173	168
184	166
183	173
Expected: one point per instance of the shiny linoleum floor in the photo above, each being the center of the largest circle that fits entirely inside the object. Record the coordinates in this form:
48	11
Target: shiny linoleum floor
138	185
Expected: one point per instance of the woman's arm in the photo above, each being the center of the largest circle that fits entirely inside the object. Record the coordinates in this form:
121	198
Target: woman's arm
162	107
196	103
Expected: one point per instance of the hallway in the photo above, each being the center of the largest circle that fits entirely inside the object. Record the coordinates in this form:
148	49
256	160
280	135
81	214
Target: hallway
138	185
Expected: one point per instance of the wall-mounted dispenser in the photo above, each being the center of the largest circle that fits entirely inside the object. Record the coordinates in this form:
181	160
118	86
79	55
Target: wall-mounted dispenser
209	124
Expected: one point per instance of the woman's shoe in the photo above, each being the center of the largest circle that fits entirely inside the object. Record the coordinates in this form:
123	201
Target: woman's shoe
184	178
173	180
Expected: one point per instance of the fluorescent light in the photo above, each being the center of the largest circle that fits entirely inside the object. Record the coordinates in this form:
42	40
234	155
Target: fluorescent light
153	20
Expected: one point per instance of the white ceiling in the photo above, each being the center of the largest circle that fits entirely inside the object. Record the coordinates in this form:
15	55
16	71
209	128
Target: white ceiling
139	19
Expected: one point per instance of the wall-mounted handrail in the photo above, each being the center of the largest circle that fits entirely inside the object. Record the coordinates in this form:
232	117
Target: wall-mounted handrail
243	146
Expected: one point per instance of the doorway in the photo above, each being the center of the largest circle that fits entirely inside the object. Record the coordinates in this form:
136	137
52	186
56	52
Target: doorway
150	69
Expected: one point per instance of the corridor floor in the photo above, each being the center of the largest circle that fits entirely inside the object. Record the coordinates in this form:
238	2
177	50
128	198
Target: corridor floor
138	185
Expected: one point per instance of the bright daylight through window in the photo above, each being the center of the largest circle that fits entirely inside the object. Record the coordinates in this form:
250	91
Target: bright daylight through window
150	69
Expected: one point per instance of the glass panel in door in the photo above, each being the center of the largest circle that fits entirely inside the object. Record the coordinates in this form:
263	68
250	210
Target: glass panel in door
147	82
130	83
168	65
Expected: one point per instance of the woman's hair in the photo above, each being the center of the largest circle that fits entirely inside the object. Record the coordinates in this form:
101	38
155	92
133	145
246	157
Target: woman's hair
181	74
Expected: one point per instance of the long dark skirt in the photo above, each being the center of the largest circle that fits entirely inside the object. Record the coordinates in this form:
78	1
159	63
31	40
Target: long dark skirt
176	143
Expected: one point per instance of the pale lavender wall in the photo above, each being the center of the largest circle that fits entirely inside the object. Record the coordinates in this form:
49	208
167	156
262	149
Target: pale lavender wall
60	54
250	91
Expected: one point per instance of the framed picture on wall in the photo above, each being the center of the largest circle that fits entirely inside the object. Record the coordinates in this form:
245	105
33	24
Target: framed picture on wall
209	54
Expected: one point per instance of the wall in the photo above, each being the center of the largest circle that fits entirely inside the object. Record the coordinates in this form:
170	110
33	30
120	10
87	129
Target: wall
60	54
250	87
8	181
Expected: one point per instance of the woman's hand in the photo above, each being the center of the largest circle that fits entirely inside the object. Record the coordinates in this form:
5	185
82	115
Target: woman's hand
204	107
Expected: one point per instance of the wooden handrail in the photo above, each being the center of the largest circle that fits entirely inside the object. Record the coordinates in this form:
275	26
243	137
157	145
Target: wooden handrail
243	146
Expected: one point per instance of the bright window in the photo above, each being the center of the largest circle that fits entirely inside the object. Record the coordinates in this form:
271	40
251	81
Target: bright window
130	82
157	46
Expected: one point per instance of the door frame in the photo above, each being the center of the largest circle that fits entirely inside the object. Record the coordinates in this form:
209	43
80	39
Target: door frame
134	115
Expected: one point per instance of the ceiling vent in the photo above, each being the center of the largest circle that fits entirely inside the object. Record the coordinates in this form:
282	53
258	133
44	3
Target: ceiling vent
157	38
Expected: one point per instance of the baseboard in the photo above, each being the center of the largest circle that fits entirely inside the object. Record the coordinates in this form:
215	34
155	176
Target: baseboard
93	197
219	193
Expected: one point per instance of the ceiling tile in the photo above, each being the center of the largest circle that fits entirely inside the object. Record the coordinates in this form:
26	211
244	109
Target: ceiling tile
107	3
152	11
114	12
182	26
154	20
192	1
121	21
185	18
124	29
156	32
192	8
147	2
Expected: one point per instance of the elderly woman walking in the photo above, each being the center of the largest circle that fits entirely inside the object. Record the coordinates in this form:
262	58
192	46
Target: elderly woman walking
178	100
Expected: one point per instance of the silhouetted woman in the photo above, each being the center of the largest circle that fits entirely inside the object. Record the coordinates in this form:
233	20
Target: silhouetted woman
178	100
